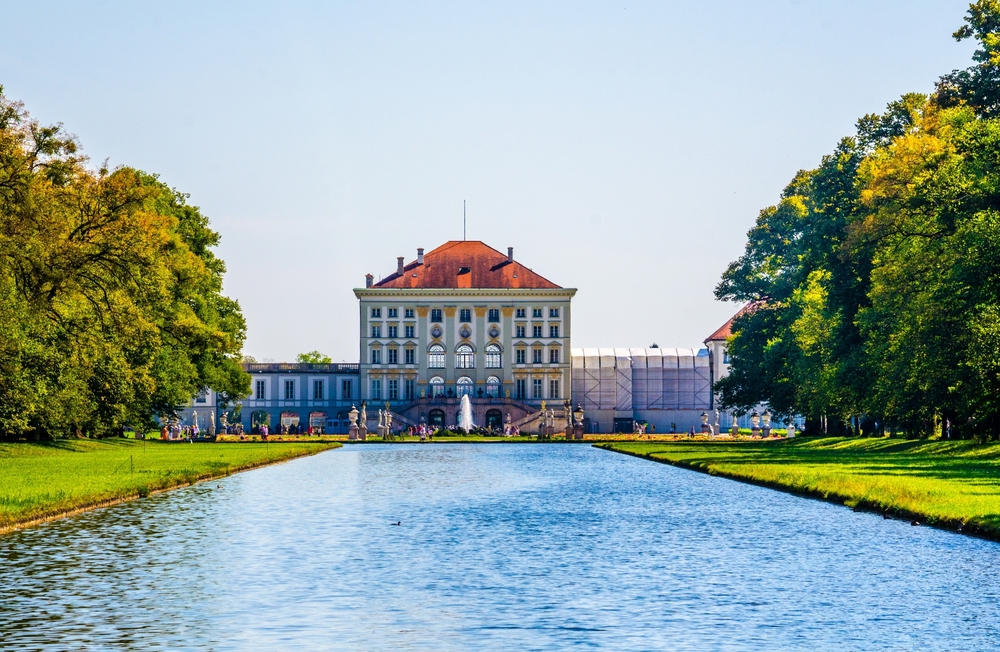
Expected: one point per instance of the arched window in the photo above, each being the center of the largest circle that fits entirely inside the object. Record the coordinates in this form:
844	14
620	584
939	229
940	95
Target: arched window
437	386
465	358
493	387
435	418
435	357
465	386
494	359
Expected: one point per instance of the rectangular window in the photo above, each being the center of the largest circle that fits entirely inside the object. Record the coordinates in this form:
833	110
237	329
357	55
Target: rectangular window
260	395
411	356
553	312
202	396
536	388
519	356
393	356
409	331
519	331
393	312
377	312
536	330
553	389
436	315
345	389
409	387
289	390
408	313
465	315
494	315
317	390
554	356
725	356
520	313
435	359
376	330
393	389
394	332
536	356
536	313
376	388
519	391
553	330
376	356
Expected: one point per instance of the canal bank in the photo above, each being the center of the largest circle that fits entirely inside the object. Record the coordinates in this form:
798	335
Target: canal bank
46	481
951	485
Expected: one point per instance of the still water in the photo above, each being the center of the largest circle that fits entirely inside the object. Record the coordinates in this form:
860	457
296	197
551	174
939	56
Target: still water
506	547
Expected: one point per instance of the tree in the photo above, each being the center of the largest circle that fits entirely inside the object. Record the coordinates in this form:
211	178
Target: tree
113	306
977	86
313	357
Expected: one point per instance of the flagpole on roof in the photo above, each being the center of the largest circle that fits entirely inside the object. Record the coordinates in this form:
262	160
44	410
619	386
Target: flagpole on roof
463	219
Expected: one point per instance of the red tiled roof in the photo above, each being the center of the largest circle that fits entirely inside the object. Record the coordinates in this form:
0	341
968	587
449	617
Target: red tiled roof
466	264
726	329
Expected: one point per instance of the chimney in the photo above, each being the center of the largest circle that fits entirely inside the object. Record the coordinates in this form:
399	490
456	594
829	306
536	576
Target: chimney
510	254
399	265
368	280
420	255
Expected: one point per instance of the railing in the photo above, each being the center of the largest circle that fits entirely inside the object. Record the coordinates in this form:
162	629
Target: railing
333	367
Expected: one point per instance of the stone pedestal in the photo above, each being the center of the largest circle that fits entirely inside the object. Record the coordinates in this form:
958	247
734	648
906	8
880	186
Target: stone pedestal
578	432
766	432
569	433
705	428
363	433
755	431
352	433
735	430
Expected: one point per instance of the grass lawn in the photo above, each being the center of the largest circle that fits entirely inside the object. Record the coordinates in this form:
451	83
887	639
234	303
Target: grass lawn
951	484
43	480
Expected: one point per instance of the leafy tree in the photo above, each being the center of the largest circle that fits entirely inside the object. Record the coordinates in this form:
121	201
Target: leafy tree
977	86
113	305
313	357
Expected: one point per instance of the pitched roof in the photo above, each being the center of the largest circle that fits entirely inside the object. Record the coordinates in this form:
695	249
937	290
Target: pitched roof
465	264
726	329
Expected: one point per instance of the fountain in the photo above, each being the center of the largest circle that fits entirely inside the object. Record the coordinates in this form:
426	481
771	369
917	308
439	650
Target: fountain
465	415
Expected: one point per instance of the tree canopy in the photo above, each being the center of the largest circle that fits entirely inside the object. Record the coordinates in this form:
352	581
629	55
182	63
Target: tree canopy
113	305
313	357
874	284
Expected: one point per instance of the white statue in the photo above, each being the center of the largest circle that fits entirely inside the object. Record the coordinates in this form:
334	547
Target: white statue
380	423
364	414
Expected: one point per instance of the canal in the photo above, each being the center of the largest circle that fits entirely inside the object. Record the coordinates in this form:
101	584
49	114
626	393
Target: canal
527	547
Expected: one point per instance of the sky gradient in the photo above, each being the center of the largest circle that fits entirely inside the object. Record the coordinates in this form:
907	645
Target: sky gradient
623	149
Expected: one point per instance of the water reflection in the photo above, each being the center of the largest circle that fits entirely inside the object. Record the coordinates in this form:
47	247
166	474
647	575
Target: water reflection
499	547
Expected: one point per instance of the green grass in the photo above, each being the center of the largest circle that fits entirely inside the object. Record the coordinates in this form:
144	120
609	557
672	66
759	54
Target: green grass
44	480
950	484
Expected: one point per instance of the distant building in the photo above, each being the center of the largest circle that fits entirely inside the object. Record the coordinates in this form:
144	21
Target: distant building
467	320
464	319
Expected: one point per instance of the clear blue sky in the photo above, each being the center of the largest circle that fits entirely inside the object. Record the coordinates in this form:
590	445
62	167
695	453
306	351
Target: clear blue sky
621	148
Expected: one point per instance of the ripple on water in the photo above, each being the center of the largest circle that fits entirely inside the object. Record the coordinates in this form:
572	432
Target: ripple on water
499	547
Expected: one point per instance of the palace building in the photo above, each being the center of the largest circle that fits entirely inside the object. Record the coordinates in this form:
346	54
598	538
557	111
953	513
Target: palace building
467	320
464	320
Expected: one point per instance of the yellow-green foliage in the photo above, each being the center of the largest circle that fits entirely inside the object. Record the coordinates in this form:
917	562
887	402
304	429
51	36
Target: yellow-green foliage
943	482
41	480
